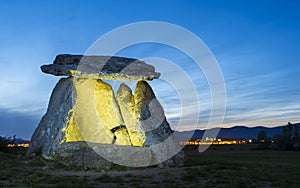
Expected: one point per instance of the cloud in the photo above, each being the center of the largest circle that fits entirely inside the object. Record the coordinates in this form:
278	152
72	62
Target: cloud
182	88
262	100
21	125
23	88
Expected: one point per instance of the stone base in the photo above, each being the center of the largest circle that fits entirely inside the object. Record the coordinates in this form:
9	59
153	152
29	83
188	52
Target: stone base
104	156
79	154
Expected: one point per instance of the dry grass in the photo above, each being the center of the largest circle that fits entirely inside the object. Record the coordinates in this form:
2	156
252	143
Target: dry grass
218	167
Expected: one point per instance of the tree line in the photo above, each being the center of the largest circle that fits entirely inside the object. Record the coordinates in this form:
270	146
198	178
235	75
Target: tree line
288	140
5	141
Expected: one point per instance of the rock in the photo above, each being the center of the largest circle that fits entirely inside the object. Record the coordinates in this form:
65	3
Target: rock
48	135
104	156
79	110
80	154
125	155
127	106
151	118
150	115
147	125
97	67
109	113
85	115
86	126
143	115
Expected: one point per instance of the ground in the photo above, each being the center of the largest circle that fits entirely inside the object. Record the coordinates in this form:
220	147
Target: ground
220	166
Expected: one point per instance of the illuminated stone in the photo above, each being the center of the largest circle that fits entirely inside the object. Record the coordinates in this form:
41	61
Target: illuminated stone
109	113
71	130
83	108
79	110
85	111
127	106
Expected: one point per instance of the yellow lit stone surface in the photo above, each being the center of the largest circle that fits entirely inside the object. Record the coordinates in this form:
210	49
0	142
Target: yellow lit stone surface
94	114
108	111
106	107
122	137
72	131
127	106
85	113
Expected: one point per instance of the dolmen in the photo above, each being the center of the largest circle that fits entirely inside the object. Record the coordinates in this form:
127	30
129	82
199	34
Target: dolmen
88	125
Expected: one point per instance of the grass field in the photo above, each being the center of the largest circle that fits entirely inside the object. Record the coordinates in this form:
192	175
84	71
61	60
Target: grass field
226	167
220	166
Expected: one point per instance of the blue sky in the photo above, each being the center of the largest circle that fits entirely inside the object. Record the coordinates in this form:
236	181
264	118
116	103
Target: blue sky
256	43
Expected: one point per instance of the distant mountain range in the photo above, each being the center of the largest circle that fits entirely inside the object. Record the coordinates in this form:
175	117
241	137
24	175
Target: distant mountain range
21	141
18	140
237	132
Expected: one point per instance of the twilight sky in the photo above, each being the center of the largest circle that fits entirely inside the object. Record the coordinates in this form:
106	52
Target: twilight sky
256	43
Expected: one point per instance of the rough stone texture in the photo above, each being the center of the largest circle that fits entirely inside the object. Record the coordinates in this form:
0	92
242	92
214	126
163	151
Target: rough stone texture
92	155
97	67
143	115
150	115
126	155
49	134
127	106
152	120
83	109
147	124
109	113
80	154
87	120
79	110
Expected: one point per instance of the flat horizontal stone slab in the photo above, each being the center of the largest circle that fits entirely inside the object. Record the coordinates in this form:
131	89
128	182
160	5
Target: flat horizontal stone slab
97	67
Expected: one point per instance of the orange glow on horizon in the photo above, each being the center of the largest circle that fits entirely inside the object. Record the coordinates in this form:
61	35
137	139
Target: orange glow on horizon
25	145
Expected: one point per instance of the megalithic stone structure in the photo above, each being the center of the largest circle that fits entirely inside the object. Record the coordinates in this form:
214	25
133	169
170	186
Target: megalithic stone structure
127	105
83	109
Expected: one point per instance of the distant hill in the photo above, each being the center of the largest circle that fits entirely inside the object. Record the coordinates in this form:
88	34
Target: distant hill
18	140
21	141
237	132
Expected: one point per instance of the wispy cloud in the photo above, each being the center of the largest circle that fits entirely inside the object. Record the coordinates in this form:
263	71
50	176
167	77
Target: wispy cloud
23	88
257	49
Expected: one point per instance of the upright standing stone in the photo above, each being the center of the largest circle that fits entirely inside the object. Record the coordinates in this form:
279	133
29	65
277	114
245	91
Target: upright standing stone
49	133
90	125
150	115
109	113
151	118
127	106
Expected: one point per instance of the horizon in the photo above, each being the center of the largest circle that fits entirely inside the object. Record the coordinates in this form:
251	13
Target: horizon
275	126
181	131
256	44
